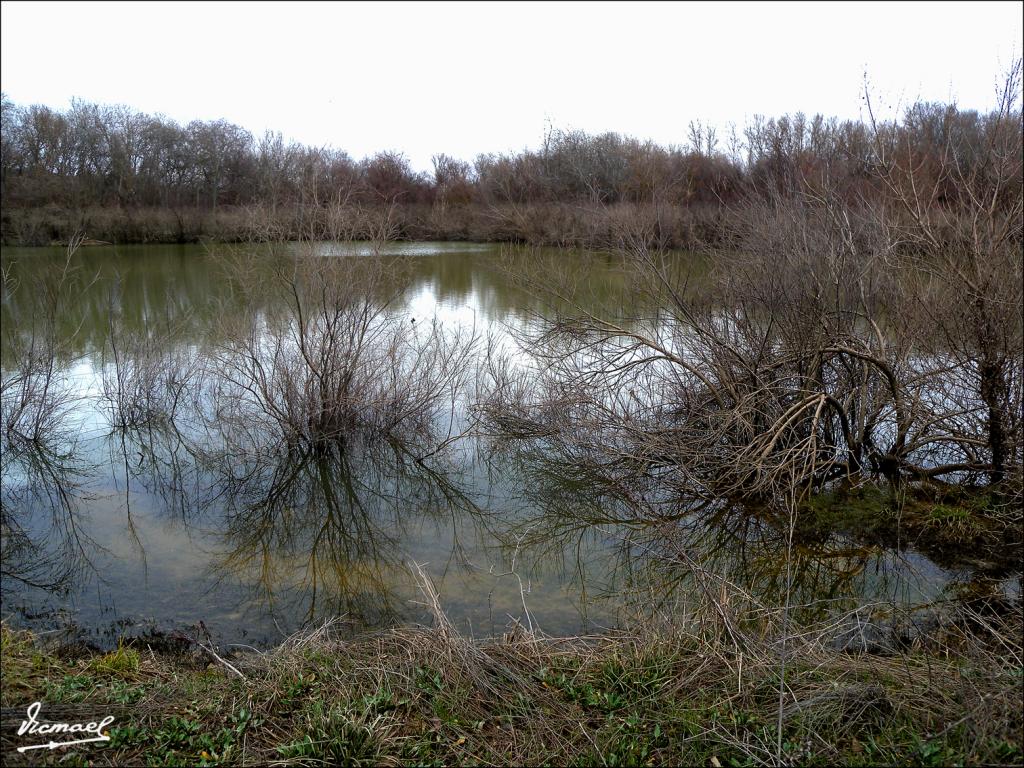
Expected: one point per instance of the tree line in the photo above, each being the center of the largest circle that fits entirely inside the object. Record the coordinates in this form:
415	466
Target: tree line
122	162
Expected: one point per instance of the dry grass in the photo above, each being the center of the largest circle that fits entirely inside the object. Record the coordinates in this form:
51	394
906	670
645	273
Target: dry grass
699	693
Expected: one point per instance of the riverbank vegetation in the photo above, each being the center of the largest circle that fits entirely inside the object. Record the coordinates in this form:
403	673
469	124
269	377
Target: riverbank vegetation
849	356
128	177
700	691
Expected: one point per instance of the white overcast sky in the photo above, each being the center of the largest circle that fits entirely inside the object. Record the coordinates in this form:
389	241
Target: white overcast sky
465	78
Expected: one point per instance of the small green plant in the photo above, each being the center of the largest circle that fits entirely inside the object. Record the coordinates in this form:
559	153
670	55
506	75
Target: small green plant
298	686
124	693
632	742
71	688
180	740
428	680
339	738
124	662
953	522
932	753
380	701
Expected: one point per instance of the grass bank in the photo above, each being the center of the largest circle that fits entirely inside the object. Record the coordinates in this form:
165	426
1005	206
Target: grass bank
707	695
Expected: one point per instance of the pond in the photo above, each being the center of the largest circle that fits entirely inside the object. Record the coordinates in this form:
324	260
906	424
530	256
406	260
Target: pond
117	524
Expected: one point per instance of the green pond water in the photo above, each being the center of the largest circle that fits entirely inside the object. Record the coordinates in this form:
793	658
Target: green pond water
110	531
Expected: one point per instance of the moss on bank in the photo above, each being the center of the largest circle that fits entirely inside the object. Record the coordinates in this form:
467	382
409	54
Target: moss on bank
427	697
954	526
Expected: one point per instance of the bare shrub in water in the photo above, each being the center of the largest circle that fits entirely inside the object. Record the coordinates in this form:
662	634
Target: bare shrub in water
35	395
336	354
147	377
839	342
40	468
955	221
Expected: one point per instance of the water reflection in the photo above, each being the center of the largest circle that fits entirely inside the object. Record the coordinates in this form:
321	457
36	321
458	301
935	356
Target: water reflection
152	484
44	542
323	529
674	559
43	472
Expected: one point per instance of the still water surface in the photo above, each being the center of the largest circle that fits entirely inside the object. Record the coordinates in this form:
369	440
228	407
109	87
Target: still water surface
138	529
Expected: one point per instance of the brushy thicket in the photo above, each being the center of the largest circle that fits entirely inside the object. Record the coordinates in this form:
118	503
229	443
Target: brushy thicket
834	340
123	176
